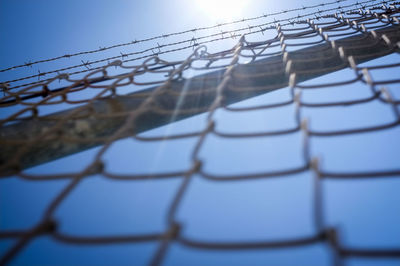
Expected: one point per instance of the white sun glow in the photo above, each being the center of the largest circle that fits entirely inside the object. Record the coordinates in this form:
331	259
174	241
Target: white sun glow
221	10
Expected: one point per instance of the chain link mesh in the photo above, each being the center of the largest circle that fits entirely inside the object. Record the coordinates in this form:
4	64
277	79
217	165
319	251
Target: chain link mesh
122	105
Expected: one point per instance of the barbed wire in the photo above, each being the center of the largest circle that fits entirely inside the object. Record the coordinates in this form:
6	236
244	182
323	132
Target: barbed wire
29	138
163	36
192	42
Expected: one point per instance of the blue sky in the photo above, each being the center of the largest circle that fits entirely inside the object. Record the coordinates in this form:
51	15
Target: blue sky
366	212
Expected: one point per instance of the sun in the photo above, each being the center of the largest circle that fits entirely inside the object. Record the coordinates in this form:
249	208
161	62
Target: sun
221	10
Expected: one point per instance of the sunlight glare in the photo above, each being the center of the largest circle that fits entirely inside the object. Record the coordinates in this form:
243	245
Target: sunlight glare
221	9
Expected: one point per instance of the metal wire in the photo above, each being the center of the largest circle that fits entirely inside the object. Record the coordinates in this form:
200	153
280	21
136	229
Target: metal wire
101	49
361	31
88	66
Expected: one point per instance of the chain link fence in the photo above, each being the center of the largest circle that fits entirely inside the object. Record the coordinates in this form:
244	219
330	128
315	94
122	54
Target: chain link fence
118	100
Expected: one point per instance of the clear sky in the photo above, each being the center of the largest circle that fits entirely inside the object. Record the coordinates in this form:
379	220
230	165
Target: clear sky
367	212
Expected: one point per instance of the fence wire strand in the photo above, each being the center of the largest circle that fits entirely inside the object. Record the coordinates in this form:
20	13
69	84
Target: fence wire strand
90	65
101	49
